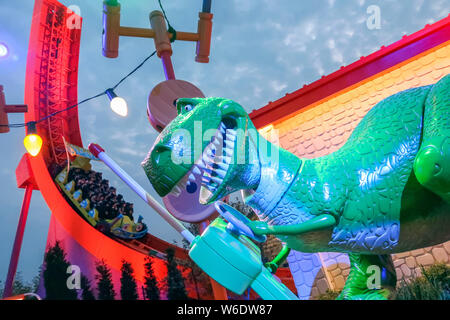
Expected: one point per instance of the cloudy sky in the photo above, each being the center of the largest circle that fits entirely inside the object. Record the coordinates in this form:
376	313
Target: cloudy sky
261	49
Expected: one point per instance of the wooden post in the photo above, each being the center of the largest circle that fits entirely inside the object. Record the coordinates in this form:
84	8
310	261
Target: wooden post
162	42
5	109
204	31
111	28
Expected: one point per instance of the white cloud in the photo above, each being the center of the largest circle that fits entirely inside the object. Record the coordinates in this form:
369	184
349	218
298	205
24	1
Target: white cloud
278	86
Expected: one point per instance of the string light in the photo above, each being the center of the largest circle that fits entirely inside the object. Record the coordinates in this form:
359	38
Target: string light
21	125
32	141
118	104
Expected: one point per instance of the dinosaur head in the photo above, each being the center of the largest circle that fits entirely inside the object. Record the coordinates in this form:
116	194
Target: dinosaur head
210	137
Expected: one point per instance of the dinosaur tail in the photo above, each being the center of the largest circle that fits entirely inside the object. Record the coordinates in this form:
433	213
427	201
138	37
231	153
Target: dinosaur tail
432	164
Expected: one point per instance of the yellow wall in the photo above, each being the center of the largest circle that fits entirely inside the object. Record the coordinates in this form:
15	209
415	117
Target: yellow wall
324	127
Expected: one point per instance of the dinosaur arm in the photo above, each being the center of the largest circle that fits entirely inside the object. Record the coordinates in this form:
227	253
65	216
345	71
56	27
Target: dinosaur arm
317	223
279	259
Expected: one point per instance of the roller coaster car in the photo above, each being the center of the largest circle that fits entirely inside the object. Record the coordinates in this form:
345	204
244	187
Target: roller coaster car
125	228
121	226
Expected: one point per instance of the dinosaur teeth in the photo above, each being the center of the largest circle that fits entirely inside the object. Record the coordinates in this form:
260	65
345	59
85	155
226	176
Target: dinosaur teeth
223	166
216	143
228	150
200	163
201	166
206	159
217	180
221	173
182	185
230	138
211	153
215	161
205	180
196	170
218	139
208	170
227	159
176	191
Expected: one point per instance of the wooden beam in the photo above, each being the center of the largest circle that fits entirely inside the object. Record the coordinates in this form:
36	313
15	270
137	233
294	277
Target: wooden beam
149	33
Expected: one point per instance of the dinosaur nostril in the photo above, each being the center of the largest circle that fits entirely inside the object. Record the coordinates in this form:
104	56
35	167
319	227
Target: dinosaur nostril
156	158
158	151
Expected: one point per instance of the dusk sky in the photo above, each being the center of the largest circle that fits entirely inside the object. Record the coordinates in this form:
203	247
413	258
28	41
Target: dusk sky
261	50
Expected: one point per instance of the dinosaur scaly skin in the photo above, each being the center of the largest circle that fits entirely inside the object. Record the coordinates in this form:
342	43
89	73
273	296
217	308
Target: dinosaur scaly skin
386	190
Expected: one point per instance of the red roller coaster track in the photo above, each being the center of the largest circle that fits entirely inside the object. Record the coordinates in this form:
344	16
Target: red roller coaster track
51	85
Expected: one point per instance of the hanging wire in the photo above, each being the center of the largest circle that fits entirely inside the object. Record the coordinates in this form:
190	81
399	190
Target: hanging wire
71	107
21	125
170	29
134	70
164	13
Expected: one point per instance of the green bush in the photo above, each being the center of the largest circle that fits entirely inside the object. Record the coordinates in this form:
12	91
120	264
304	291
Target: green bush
55	275
329	295
434	284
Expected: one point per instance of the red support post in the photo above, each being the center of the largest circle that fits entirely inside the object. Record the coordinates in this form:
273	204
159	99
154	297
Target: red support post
18	242
167	65
219	292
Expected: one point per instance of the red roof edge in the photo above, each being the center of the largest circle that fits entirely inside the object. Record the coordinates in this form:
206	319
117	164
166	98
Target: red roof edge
408	47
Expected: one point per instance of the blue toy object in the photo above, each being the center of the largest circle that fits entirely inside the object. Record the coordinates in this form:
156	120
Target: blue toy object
226	253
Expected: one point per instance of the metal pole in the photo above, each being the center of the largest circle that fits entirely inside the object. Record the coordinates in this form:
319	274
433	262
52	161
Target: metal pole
98	151
18	242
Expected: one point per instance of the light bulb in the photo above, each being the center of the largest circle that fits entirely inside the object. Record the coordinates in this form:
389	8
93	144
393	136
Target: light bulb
118	104
33	144
3	50
32	141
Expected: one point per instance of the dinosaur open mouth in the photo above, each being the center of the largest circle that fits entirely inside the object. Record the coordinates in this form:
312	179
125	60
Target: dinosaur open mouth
212	166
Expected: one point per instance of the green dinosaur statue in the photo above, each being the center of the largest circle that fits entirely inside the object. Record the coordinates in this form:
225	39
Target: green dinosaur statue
385	191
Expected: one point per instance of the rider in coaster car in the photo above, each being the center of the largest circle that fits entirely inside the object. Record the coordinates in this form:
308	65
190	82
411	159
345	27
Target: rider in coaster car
112	190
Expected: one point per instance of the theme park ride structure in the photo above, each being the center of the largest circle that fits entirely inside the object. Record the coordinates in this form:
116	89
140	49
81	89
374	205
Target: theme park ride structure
392	174
51	87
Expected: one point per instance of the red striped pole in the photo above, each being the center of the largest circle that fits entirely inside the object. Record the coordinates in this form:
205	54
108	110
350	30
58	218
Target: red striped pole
18	242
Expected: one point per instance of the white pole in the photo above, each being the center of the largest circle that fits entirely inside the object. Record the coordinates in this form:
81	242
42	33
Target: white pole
144	195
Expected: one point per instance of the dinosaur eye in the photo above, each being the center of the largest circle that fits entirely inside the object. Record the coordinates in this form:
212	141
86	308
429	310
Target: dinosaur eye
188	107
